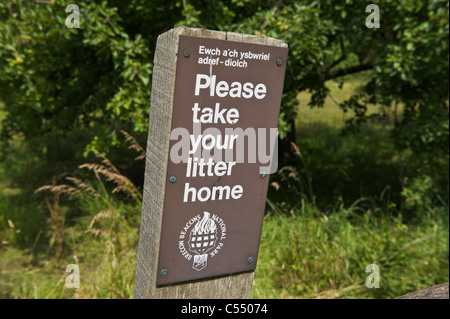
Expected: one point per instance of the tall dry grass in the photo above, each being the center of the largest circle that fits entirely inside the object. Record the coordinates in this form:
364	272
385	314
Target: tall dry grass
108	247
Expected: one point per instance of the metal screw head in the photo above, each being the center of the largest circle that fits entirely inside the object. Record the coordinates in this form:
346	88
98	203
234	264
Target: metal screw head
163	272
250	260
279	61
172	179
186	53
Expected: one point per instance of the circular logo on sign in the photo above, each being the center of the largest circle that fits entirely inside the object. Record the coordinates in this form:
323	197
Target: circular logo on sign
202	237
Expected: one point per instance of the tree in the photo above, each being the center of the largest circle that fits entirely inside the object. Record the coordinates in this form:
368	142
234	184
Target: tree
52	77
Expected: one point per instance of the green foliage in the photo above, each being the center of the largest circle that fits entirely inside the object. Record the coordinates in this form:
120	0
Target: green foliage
342	203
307	254
312	255
306	251
52	77
412	70
422	196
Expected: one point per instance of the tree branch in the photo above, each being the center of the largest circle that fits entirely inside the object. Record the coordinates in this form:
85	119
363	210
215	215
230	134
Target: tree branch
266	22
187	15
349	70
342	57
44	2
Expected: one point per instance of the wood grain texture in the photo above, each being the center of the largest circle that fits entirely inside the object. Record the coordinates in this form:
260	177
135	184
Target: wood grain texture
160	122
435	292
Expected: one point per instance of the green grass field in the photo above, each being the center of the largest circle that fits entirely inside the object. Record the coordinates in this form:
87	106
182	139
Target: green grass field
339	210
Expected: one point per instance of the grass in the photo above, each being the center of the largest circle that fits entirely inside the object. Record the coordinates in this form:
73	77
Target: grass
348	202
325	256
304	255
106	268
351	201
102	240
330	114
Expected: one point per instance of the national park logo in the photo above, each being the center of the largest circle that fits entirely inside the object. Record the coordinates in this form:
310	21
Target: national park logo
202	237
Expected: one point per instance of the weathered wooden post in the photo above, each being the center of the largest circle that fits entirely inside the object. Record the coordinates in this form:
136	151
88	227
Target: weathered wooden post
214	110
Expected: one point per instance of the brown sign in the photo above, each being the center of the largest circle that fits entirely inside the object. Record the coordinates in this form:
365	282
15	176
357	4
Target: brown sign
225	115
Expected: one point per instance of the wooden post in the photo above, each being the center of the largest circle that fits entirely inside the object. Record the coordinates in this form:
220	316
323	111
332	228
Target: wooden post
435	292
160	126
